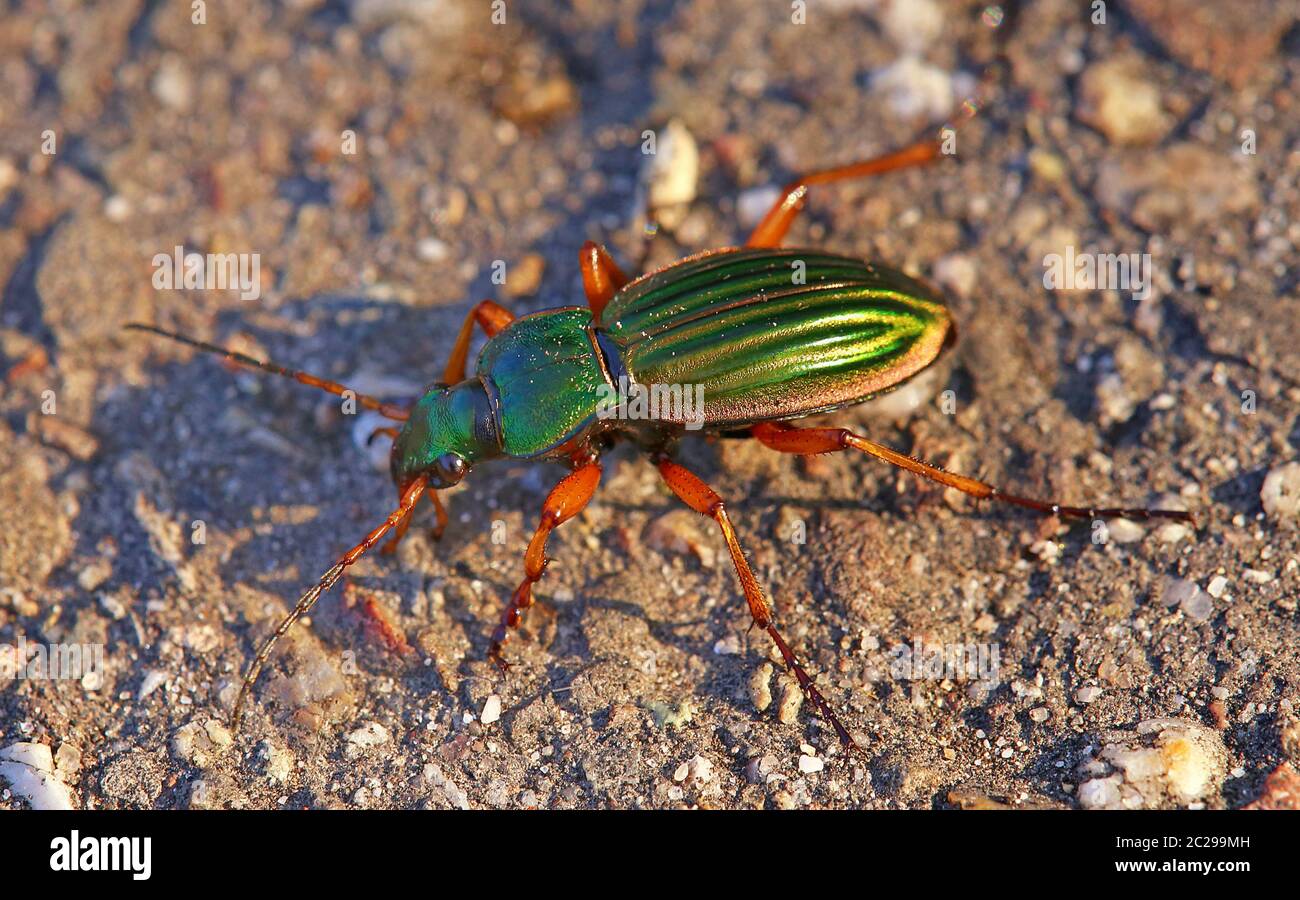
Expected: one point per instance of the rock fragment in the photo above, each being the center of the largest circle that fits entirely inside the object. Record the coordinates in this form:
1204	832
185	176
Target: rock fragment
1229	47
29	770
1119	99
1281	790
760	687
1165	762
366	738
1280	493
491	709
671	174
200	743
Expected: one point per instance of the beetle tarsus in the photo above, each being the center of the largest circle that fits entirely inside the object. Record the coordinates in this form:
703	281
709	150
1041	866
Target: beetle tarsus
809	688
566	500
498	659
771	231
692	491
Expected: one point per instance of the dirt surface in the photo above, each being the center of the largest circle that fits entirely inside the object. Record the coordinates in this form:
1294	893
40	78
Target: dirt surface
168	510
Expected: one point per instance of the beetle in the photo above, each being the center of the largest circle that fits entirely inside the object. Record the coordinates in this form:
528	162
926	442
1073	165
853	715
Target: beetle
771	334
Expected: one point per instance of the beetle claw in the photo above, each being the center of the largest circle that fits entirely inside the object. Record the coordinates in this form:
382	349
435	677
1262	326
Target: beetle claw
502	664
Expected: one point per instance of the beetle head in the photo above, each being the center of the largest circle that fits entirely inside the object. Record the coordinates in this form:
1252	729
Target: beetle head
450	428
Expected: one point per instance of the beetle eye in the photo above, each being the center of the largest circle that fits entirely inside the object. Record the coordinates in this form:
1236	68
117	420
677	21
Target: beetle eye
449	468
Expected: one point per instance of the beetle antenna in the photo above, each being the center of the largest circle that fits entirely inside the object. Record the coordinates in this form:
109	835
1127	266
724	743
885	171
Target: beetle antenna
988	75
385	409
410	496
970	107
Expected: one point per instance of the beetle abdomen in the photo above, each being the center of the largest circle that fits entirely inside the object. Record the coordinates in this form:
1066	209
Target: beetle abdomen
776	334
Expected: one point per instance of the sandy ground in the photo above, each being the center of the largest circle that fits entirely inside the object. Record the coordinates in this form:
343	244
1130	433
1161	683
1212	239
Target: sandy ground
168	510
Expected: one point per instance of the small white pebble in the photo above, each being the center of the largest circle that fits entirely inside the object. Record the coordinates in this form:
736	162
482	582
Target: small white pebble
671	174
914	89
1280	493
432	250
491	709
700	768
1172	532
153	680
1125	531
810	764
728	646
1085	695
1099	793
1198	606
368	736
117	208
1177	591
914	25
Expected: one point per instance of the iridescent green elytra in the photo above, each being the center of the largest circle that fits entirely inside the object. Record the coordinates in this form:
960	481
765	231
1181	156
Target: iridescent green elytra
769	334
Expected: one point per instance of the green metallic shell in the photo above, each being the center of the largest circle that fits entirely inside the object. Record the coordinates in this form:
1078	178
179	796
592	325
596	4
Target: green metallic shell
546	376
767	334
447	419
768	345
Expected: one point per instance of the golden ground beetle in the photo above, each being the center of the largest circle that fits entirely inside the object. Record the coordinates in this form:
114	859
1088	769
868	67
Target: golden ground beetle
766	346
